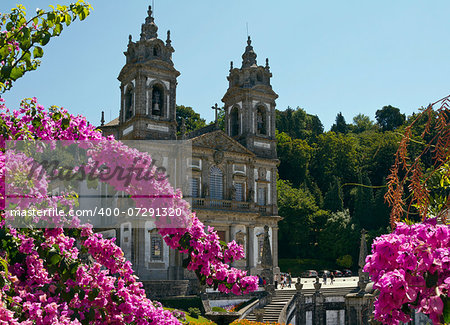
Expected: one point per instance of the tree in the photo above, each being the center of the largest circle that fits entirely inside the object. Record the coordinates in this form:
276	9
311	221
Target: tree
364	203
334	198
296	206
22	39
362	123
192	120
297	124
389	118
340	126
295	156
339	237
334	155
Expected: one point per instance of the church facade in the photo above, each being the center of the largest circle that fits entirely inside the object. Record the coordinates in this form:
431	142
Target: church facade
232	173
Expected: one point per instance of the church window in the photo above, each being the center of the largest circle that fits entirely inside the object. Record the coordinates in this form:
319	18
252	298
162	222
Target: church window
234	119
156	50
261	126
259	77
221	235
157	100
156	247
239	187
195	187
261	196
216	183
129	103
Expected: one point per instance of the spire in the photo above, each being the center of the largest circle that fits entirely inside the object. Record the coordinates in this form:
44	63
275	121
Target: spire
149	29
168	41
102	121
249	56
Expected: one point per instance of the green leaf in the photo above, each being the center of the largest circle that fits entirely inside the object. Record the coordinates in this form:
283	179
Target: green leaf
16	73
446	312
54	260
65	123
38	52
431	279
9	26
45	39
36	122
56	116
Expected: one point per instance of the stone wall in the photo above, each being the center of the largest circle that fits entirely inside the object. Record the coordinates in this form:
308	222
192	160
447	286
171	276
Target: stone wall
165	288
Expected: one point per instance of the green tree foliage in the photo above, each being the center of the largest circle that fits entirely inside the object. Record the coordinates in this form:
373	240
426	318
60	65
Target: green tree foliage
339	237
192	120
381	209
334	198
389	118
297	207
362	123
22	38
334	155
295	155
364	203
345	261
297	124
340	126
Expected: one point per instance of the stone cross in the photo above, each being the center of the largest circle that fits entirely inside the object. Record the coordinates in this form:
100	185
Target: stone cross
216	108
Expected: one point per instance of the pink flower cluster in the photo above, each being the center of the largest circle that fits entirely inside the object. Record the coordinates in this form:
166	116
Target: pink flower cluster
48	280
411	269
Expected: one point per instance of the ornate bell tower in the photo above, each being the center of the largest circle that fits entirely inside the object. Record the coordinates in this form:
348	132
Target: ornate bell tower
250	105
148	84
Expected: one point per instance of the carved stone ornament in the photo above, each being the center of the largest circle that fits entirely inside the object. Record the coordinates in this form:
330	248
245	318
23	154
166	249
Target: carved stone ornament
218	157
262	173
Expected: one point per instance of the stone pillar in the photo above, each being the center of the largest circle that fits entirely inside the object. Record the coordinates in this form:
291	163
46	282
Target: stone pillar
318	299
275	246
300	310
363	276
251	248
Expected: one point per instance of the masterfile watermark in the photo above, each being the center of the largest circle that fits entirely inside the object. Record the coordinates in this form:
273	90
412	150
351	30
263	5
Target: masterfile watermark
105	183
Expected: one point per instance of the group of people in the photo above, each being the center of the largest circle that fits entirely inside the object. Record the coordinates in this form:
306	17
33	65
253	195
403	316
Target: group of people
285	280
324	277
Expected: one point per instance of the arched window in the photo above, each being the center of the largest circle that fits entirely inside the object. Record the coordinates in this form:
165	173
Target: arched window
259	76
156	50
158	100
129	99
234	121
216	183
261	124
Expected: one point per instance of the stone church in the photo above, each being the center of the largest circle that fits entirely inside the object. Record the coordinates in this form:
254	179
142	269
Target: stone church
232	173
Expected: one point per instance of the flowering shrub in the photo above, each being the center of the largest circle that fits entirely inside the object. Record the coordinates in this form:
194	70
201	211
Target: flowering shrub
45	281
411	269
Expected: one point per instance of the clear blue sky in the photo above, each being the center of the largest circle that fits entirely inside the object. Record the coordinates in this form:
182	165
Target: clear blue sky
325	56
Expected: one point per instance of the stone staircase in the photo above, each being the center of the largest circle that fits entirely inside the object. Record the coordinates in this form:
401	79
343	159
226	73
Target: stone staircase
272	311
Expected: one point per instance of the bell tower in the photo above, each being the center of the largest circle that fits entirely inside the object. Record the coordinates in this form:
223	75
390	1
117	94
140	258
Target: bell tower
250	105
148	84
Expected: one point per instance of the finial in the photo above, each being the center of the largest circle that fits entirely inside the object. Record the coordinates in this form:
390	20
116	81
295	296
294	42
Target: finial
267	63
231	65
130	39
102	121
150	12
249	56
168	41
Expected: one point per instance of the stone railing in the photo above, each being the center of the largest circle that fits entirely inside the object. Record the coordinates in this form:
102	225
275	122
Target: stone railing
213	204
